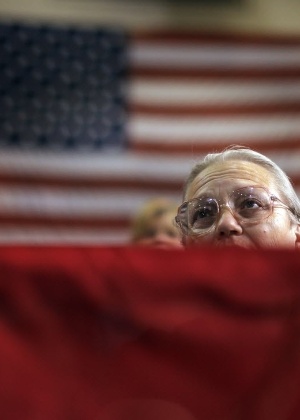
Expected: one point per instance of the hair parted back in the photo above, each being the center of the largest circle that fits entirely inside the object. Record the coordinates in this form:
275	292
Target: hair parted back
242	153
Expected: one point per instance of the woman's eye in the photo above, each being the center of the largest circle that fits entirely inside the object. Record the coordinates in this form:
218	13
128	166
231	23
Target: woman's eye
171	233
202	214
250	204
149	233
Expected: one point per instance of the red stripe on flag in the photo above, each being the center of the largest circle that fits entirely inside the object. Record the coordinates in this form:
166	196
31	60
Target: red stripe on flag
142	183
27	220
215	73
176	109
217	37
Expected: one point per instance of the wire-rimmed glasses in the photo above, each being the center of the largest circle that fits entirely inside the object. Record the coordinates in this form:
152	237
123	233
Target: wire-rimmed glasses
249	205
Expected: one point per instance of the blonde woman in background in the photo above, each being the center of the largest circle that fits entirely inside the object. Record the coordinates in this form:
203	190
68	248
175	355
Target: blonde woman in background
154	225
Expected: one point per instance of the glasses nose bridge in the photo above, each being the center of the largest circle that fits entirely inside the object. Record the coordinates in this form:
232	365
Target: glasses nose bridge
227	205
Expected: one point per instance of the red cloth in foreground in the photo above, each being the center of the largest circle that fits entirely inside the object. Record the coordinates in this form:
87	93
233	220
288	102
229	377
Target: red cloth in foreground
136	334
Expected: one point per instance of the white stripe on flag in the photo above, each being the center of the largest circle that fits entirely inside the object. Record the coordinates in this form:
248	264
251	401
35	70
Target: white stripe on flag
216	129
187	55
200	92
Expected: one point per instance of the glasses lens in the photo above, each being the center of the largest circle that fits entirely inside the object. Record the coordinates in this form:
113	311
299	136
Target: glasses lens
251	204
181	218
202	214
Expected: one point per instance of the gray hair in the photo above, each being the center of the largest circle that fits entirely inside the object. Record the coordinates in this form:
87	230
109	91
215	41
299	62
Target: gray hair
283	182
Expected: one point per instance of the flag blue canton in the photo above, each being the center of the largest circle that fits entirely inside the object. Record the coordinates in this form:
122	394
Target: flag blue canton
62	88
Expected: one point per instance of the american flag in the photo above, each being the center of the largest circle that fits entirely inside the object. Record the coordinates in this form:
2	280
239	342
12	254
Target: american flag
96	121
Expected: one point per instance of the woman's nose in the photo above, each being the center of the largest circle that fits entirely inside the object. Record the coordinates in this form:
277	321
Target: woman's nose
162	237
227	224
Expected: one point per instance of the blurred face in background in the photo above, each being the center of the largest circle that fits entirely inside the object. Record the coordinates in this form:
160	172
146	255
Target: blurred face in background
160	232
154	224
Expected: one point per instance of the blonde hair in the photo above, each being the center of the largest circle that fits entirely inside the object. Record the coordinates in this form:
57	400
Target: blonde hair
150	211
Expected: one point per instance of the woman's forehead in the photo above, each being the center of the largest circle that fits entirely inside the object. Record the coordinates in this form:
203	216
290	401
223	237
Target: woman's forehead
229	175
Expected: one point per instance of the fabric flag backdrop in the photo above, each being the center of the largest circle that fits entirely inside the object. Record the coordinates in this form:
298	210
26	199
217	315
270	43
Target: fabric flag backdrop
95	121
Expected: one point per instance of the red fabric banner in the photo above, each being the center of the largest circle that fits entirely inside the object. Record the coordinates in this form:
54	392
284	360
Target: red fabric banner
137	334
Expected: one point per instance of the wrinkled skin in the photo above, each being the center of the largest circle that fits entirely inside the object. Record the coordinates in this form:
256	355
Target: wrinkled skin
219	180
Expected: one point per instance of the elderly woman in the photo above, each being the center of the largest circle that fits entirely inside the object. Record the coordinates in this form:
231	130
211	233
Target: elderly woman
241	198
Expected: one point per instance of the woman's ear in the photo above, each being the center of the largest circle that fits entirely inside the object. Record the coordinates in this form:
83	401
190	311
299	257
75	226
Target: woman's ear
297	233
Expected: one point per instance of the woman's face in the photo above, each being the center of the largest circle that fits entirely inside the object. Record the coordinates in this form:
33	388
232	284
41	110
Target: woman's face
161	232
219	181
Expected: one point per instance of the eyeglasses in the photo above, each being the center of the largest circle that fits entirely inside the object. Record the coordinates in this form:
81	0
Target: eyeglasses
248	205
